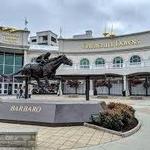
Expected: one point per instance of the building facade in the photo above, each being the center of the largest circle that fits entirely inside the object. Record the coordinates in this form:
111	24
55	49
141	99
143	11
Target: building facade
44	38
13	45
117	65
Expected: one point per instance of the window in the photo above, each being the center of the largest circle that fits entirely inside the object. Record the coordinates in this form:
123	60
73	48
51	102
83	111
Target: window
53	39
18	60
16	86
1	69
1	58
134	60
99	62
84	63
9	59
5	86
17	68
8	69
45	43
118	62
45	38
33	40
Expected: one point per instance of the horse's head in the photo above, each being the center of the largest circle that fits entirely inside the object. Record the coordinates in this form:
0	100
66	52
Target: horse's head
66	60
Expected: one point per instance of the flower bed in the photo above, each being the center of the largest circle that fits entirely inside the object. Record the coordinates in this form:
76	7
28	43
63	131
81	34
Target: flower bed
117	116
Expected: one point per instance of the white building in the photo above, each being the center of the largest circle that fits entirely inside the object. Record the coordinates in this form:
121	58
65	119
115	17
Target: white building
16	52
44	38
13	44
113	64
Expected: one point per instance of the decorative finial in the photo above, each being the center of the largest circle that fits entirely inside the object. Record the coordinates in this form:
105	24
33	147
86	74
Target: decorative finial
26	23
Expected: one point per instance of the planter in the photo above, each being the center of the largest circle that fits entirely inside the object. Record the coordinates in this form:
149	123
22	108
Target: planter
123	134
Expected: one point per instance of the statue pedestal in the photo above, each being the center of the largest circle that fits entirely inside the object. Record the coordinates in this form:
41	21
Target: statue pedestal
53	112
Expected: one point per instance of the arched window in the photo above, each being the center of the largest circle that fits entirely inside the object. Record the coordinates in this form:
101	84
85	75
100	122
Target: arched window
99	62
118	62
134	60
84	63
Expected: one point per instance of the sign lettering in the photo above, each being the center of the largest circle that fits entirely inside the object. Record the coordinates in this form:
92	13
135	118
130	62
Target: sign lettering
113	44
26	108
10	38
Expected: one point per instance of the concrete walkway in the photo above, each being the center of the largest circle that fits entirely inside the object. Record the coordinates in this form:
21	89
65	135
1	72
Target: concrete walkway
62	138
138	141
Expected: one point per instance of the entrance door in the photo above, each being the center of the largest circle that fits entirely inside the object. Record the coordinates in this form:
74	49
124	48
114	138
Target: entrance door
9	89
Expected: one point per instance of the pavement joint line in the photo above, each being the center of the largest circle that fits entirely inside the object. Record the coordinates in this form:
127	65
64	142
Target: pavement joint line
102	136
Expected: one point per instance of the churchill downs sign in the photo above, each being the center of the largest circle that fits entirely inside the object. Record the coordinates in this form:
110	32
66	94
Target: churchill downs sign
113	44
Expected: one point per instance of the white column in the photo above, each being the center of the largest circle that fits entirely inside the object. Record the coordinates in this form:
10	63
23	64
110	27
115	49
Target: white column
125	85
60	88
25	57
91	92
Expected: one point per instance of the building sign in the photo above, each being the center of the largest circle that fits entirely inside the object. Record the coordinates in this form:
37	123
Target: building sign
13	36
113	44
10	38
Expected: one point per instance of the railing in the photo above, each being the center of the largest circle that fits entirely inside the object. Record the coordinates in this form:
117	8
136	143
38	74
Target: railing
145	63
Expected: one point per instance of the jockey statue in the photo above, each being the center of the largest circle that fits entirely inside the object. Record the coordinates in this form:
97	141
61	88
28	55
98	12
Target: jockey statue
43	59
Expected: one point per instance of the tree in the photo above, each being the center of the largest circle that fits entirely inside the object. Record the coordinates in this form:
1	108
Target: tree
74	84
135	81
103	83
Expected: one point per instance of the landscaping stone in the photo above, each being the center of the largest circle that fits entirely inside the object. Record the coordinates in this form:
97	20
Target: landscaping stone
18	139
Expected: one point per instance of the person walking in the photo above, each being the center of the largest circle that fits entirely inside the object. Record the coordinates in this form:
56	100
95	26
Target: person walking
20	92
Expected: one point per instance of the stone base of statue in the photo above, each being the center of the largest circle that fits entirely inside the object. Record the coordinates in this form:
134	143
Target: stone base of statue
51	112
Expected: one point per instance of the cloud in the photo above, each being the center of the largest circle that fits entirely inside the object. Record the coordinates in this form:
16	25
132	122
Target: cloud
76	16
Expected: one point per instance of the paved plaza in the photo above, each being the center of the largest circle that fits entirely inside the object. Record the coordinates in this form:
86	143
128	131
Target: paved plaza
59	138
84	138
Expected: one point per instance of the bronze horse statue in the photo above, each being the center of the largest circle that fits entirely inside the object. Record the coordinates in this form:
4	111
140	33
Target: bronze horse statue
46	71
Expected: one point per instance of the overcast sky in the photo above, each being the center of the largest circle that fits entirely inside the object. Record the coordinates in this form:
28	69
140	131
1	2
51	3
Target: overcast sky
76	16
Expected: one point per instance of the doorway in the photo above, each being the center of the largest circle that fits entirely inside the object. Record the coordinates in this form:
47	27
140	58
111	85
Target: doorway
10	89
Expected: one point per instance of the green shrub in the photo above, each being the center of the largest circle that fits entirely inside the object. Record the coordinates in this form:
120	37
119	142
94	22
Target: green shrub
116	117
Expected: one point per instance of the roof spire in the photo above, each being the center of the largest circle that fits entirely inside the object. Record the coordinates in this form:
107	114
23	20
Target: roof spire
60	32
112	32
105	31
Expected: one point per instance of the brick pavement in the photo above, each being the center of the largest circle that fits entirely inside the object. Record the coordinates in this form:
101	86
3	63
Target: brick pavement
61	138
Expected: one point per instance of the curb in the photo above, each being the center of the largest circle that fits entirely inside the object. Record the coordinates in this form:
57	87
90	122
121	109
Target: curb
123	134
